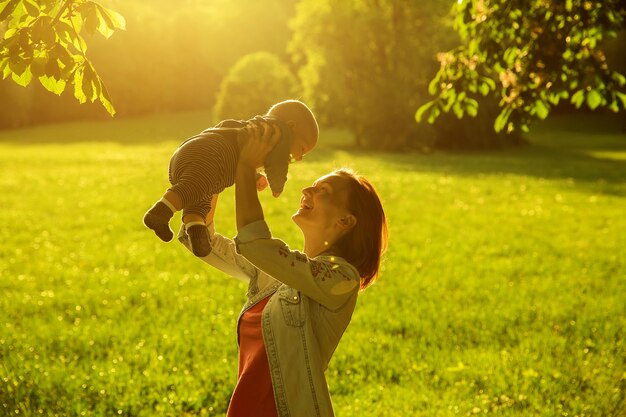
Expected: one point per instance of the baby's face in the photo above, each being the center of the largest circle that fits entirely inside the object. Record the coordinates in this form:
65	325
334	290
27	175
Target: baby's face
303	140
299	148
302	144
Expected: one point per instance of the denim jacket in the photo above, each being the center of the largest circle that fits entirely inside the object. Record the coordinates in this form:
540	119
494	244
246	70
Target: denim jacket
311	304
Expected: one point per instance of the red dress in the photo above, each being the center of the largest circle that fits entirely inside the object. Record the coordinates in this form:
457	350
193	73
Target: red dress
253	395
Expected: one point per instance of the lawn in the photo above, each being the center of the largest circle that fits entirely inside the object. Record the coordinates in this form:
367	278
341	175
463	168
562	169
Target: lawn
503	291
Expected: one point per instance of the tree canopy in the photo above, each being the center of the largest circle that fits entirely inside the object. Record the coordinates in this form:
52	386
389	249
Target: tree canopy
365	65
528	56
45	39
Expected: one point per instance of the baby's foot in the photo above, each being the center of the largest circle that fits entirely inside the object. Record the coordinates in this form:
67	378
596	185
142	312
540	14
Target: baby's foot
157	219
199	239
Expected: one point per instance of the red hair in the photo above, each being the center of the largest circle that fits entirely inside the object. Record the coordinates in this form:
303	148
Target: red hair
364	245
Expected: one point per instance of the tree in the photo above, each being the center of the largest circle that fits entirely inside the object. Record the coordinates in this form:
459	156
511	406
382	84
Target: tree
253	85
365	65
528	56
44	39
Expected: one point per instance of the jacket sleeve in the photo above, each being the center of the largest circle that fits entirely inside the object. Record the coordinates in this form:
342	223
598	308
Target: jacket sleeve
223	255
328	280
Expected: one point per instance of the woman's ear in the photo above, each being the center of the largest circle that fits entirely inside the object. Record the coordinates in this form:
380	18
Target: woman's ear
347	222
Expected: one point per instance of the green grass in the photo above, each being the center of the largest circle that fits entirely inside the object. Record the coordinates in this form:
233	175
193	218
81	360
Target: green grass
503	290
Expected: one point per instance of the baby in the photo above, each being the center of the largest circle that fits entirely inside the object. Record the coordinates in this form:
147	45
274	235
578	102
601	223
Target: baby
205	164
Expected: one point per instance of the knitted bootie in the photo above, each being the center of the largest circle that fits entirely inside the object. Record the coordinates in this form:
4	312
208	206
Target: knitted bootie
157	219
199	239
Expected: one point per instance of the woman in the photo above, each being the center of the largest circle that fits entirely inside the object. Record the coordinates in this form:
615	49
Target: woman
298	303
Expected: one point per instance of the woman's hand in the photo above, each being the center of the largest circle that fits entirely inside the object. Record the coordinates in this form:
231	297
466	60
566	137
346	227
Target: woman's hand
258	145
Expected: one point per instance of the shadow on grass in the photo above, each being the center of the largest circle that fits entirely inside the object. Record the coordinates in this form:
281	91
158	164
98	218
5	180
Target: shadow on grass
588	148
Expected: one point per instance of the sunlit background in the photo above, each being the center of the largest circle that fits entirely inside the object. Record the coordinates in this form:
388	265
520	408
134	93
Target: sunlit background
504	286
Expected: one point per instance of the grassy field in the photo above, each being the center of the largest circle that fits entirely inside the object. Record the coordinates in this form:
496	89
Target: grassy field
503	290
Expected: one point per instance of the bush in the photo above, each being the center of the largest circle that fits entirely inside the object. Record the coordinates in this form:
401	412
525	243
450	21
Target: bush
253	85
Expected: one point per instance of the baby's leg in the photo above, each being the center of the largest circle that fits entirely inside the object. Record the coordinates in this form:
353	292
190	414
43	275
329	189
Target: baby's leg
194	220
159	215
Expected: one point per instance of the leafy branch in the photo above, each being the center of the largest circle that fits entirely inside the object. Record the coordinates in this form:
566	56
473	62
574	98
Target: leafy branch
528	57
43	39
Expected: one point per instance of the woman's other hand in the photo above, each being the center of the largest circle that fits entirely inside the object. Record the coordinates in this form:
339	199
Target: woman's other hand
262	137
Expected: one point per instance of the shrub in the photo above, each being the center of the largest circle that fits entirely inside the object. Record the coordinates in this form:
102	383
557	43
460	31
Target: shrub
252	85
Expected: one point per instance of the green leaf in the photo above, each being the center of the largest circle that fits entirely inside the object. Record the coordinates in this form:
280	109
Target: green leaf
17	64
491	83
502	118
61	53
420	112
65	31
90	15
8	9
106	100
450	97
52	85
554	99
619	79
43	31
578	98
20	17
4	67
471	107
23	79
541	109
112	18
31	7
38	67
433	86
10	40
594	99
509	56
24	39
458	110
103	26
622	97
434	113
89	82
52	69
6	71
473	46
483	88
78	85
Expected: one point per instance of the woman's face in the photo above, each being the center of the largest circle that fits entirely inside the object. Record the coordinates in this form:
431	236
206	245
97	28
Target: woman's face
322	204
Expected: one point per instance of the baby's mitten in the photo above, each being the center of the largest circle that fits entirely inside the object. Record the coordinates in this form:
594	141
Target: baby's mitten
277	161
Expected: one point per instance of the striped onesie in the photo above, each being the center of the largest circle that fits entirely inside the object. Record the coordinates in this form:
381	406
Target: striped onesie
205	164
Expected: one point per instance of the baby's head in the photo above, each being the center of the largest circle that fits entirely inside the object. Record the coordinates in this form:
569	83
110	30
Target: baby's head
301	120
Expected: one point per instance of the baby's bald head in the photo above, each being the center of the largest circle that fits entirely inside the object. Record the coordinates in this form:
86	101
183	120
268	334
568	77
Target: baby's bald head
300	118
